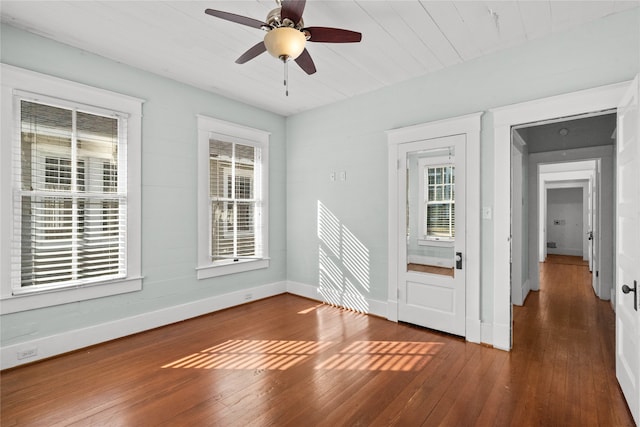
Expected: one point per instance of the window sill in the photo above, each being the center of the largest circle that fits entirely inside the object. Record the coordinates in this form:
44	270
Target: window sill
50	297
434	242
209	271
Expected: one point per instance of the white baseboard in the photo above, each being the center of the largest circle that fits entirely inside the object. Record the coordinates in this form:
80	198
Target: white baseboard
565	251
348	301
486	333
473	330
79	338
54	345
501	336
392	310
613	299
526	288
520	292
606	290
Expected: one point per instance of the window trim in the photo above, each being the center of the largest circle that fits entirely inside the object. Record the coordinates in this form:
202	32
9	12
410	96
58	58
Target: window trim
229	132
423	239
15	82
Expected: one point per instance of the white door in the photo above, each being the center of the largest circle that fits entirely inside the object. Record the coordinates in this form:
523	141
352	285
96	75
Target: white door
627	249
517	296
431	262
595	233
590	227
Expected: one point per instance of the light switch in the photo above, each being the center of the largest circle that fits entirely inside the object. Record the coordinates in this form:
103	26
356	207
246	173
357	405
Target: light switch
486	212
343	175
332	176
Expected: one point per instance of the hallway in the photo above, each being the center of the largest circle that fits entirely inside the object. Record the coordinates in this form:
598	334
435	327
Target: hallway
564	352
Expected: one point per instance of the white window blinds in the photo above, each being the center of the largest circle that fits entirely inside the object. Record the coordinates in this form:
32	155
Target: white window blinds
439	186
70	196
235	201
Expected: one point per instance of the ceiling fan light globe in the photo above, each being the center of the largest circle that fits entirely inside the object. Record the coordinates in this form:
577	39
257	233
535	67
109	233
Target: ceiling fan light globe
285	42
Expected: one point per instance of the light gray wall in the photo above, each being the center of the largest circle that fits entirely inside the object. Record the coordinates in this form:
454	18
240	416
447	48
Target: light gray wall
350	136
169	140
565	220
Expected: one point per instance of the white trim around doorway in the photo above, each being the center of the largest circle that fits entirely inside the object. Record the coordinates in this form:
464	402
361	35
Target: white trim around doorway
504	118
469	125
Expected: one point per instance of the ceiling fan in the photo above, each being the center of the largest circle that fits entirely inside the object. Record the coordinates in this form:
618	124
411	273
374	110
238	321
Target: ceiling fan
286	34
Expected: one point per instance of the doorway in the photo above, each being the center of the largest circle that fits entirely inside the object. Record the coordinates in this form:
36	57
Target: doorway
504	118
449	152
566	156
625	98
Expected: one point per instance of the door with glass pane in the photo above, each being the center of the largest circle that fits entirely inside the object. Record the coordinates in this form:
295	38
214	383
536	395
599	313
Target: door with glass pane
431	263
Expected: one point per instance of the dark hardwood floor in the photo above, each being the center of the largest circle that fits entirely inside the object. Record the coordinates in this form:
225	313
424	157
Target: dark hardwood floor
289	361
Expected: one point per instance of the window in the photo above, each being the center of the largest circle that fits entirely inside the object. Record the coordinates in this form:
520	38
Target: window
71	230
440	202
74	212
235	207
232	206
437	193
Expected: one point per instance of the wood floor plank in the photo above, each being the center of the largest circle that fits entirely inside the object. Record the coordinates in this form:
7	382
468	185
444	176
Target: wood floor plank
290	361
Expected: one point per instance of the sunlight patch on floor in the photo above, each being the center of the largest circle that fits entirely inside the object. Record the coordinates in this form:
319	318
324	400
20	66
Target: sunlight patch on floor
383	356
280	355
251	354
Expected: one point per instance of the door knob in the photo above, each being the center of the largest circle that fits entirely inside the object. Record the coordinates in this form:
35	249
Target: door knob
459	260
626	289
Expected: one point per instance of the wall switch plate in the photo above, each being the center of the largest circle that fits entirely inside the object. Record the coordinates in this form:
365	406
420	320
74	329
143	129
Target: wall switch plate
332	176
486	212
343	175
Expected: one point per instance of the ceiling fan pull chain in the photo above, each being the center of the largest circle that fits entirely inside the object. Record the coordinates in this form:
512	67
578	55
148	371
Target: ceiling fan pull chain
286	78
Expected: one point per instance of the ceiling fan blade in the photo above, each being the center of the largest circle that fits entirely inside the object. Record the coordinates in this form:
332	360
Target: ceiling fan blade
305	62
332	35
250	22
251	53
292	9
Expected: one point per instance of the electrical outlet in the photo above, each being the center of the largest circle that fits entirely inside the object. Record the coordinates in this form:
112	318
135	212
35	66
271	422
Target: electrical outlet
248	297
27	353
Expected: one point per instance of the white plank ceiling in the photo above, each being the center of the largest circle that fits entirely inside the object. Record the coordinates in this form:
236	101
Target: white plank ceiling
401	40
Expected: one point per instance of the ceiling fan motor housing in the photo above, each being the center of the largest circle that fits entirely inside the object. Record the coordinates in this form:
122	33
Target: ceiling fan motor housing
274	20
285	42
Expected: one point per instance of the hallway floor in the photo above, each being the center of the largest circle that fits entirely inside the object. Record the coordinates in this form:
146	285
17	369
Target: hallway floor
564	351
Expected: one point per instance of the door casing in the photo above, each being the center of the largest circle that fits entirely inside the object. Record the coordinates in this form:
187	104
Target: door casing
504	118
470	126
